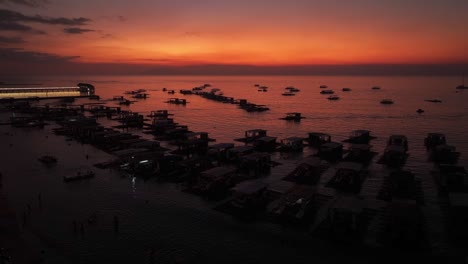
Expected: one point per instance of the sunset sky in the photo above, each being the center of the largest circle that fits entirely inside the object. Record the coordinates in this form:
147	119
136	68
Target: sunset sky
106	35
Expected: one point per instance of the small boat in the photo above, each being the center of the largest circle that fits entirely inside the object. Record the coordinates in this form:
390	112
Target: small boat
346	89
293	116
292	89
327	92
47	159
257	85
333	97
125	102
323	86
288	94
433	100
386	101
177	101
79	176
419	111
376	88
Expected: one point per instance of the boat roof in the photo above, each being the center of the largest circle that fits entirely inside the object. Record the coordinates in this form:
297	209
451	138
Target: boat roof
293	139
130	151
281	186
361	146
318	134
331	145
249	187
222	146
350	166
256	156
240	149
219	171
266	139
435	134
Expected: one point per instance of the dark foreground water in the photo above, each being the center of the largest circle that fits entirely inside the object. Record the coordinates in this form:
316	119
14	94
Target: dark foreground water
176	226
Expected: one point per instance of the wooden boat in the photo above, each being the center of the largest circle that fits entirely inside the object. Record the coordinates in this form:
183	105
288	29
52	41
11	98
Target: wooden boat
316	139
327	92
387	101
434	139
295	116
348	177
360	136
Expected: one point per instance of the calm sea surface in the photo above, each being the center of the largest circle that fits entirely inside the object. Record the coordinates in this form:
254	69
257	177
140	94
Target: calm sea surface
183	227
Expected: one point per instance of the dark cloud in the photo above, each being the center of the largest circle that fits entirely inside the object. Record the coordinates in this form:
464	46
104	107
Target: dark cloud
30	3
20	55
75	30
11	40
12	16
13	26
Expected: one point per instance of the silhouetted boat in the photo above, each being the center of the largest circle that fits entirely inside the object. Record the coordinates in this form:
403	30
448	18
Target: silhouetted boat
323	86
177	101
419	111
346	89
327	92
293	116
292	89
333	97
359	137
432	140
433	100
288	94
376	88
386	101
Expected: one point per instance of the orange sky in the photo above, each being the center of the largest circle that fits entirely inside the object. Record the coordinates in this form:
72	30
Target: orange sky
256	32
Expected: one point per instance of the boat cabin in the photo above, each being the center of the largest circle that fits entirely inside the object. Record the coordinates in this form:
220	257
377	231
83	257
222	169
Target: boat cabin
331	151
251	135
359	153
308	172
348	177
398	140
256	163
220	151
215	180
277	189
294	207
394	156
249	195
292	144
359	137
445	154
293	116
434	139
316	139
235	154
265	143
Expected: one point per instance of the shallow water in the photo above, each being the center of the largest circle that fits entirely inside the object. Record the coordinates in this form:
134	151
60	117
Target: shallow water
178	225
